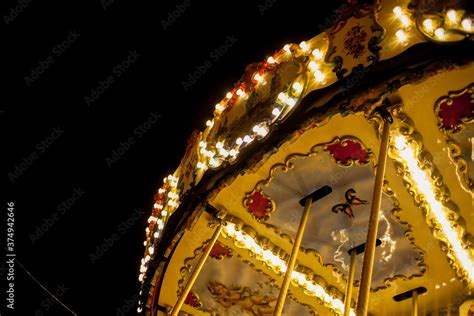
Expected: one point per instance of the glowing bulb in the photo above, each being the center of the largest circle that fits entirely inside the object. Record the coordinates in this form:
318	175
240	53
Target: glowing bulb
319	76
452	16
240	93
144	243
233	153
209	123
202	144
259	78
151	250
405	20
397	11
440	33
428	24
467	24
219	107
161	191
317	54
219	145
139	309
229	95
147	230
276	112
313	65
283	97
247	139
270	60
239	141
401	36
298	87
287	49
304	46
164	213
291	102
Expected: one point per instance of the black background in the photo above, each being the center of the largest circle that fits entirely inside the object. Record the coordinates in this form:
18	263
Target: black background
77	159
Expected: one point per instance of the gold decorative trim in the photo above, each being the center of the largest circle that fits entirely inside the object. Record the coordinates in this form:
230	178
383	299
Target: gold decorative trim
454	149
405	127
288	165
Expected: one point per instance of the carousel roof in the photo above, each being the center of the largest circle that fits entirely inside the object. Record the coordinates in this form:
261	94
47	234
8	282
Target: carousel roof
306	117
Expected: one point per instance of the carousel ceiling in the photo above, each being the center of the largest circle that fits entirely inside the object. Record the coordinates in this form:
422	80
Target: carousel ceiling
306	118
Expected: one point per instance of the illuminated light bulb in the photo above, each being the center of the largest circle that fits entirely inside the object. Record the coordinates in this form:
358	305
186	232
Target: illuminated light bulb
229	95
247	139
298	87
240	93
164	213
304	46
209	123
313	65
144	243
224	152
467	24
259	78
428	24
452	16
157	206
165	180
233	153
140	278
270	60
291	102
317	54
283	97
276	112
202	144
147	258
219	107
219	145
287	49
239	141
214	163
401	36
161	191
201	165
152	219
319	76
151	250
398	11
147	230
440	33
405	20
139	309
142	269
209	154
156	234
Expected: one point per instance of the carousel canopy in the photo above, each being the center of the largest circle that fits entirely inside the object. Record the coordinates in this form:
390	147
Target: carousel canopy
391	81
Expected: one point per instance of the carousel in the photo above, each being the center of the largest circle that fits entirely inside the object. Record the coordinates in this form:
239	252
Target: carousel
334	178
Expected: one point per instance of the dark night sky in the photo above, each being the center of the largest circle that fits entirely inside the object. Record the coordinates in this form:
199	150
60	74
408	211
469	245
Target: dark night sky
60	144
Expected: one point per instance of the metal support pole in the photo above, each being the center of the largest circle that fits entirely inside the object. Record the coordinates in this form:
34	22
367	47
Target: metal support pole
367	267
350	284
414	304
195	273
294	254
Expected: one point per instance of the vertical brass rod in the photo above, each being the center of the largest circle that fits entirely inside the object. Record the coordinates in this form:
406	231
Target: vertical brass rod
367	267
195	273
350	284
414	304
294	254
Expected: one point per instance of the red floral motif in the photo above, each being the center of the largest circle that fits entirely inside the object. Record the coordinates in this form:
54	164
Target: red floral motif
354	41
192	300
347	151
454	110
220	252
259	205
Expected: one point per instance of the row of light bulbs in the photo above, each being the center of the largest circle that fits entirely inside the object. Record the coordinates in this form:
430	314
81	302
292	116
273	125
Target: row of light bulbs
167	201
214	156
432	27
278	265
440	214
